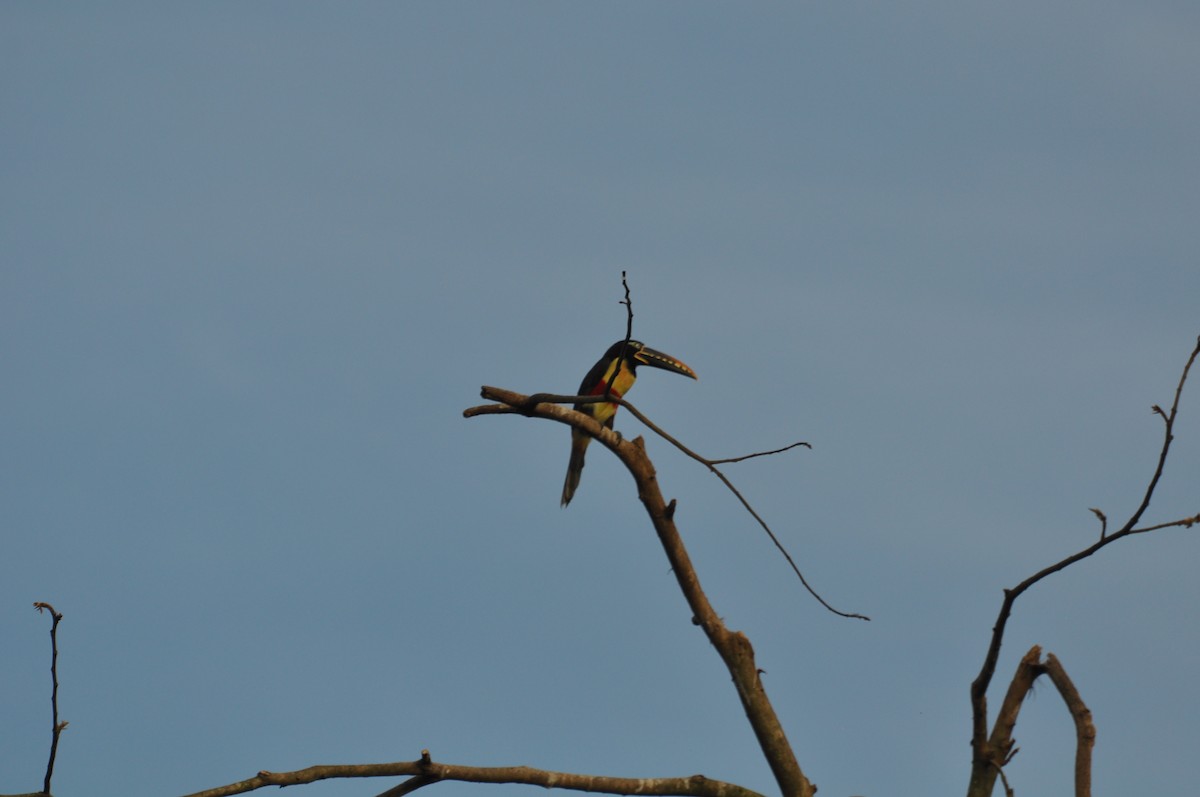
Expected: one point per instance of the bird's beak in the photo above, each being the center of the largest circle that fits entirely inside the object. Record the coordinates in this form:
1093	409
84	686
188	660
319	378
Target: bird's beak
656	359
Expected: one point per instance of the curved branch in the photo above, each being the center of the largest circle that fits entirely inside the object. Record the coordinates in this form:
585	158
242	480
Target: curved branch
982	754
57	727
1085	731
1168	436
745	457
733	646
710	464
1028	670
425	771
526	404
1001	749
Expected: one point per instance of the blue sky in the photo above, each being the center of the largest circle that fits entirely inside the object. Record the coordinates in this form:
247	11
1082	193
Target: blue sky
256	259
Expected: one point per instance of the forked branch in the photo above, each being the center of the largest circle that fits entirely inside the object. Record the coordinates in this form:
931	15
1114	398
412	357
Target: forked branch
990	754
1001	744
529	402
733	646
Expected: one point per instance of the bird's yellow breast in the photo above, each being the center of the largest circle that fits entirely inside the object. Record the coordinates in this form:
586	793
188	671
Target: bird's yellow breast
624	381
621	383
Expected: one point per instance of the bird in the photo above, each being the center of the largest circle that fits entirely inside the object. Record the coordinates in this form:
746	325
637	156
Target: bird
618	368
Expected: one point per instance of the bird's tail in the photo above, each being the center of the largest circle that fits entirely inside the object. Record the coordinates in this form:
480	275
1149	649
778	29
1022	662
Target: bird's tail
579	444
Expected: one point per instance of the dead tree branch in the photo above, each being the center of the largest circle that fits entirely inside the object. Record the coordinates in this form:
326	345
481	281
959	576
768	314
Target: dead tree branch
745	457
424	771
529	402
56	726
1085	731
1001	743
733	646
986	757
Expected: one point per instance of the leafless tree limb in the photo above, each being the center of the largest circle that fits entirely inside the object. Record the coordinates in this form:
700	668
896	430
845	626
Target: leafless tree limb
531	401
983	754
1000	744
1001	741
56	726
425	771
1085	731
1186	522
733	647
745	457
628	302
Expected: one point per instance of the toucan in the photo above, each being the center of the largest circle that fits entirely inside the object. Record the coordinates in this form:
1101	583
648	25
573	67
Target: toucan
618	368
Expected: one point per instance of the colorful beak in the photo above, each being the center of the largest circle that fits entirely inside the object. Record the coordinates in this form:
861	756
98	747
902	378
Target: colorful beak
656	359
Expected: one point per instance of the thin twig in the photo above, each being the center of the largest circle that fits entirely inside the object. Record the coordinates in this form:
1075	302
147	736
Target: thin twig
56	726
1008	792
1169	425
628	302
745	457
1186	522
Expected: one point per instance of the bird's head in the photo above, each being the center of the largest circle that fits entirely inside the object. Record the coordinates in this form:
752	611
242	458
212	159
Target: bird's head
638	353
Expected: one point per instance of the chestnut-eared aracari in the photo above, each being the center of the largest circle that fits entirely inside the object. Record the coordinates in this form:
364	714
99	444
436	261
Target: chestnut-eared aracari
618	367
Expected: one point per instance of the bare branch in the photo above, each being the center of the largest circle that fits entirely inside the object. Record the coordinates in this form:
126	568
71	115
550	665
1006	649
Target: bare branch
1169	426
733	647
1085	731
1000	750
427	771
56	726
408	786
413	783
1186	522
979	687
1000	744
628	302
527	404
628	309
746	504
758	454
1008	792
